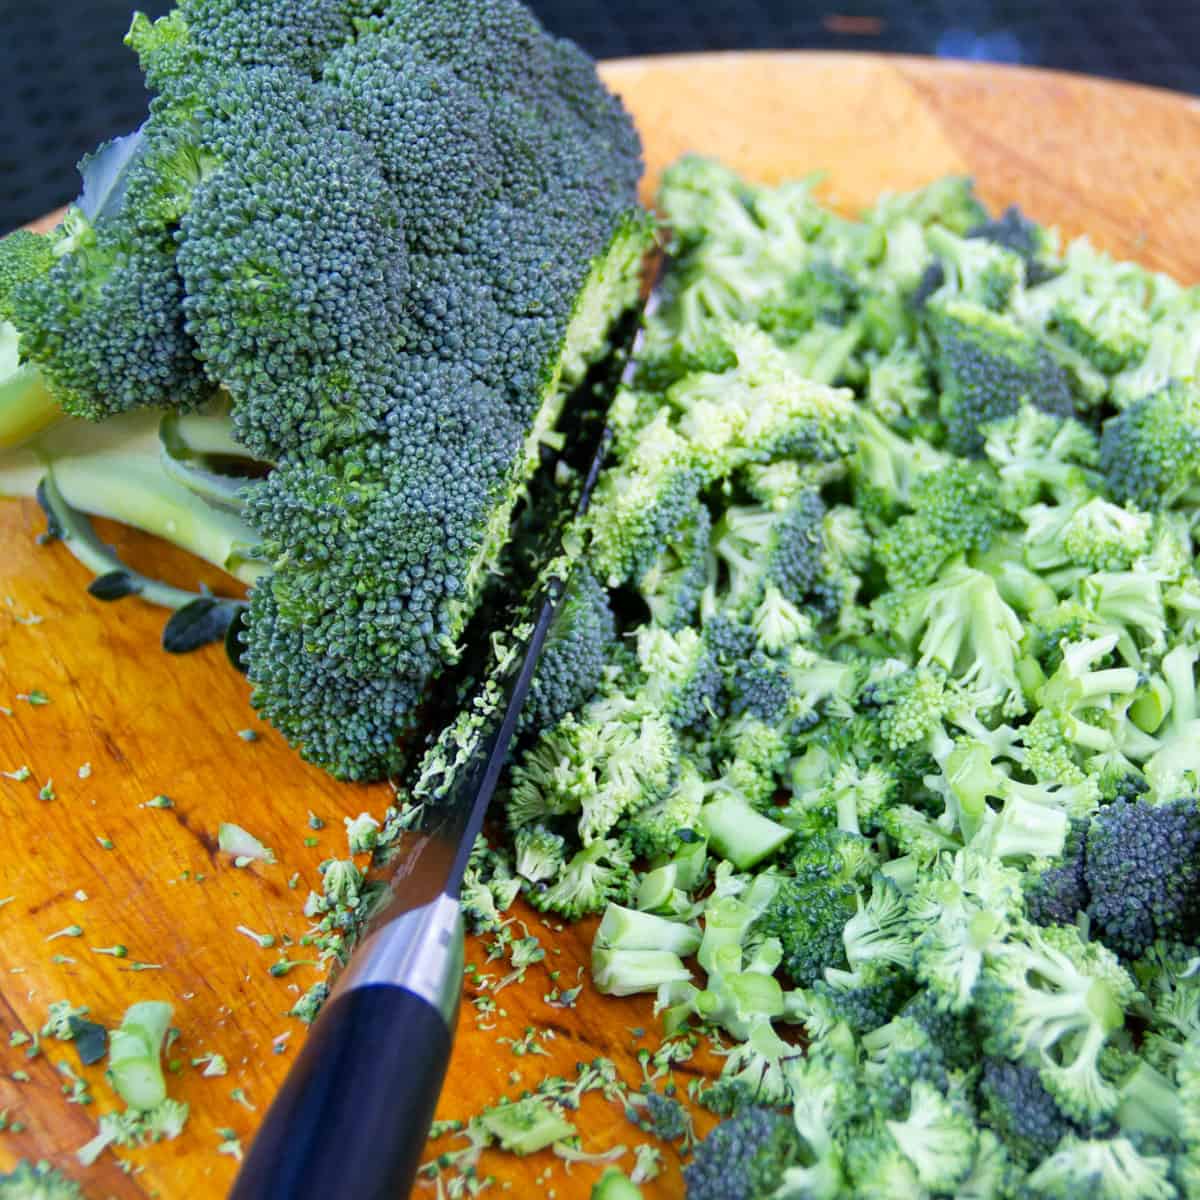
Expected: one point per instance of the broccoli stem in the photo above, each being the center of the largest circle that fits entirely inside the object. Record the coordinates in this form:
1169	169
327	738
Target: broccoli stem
739	833
115	470
26	406
75	531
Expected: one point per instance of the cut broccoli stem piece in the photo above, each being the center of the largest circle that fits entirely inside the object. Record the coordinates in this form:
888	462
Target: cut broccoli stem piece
525	1126
26	406
115	470
192	445
739	833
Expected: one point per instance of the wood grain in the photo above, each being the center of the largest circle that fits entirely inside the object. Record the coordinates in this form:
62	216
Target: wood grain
1110	159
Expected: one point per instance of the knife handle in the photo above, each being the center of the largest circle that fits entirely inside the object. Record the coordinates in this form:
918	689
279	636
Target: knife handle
353	1115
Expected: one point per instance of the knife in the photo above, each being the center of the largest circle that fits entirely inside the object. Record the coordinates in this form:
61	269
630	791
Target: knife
352	1117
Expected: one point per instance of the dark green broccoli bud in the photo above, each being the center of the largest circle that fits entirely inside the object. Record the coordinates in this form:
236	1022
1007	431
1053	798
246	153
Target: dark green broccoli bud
819	294
760	687
354	727
1143	873
295	268
1150	453
576	651
1018	1107
673	584
744	1157
1056	891
956	509
203	36
429	131
683	678
901	1054
863	999
952	1033
809	911
987	365
784	547
663	1116
1016	232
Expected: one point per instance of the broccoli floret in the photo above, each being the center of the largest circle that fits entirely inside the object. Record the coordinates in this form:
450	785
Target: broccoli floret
575	653
539	853
987	365
900	1055
810	910
674	582
1039	455
1018	1107
1056	890
975	269
38	1181
1014	231
1110	1169
955	510
744	1157
961	623
938	1138
683	679
1053	995
1143	873
1150	453
596	875
759	547
863	1000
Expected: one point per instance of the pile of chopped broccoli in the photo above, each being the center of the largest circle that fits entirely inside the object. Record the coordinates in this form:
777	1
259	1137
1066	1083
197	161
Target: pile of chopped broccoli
889	774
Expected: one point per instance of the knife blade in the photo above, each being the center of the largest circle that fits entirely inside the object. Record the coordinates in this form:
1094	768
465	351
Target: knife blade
352	1117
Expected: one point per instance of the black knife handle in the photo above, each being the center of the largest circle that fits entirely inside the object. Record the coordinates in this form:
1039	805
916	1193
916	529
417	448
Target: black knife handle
352	1117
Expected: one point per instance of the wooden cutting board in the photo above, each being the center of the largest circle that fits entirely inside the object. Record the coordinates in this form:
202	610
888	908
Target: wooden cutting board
1116	161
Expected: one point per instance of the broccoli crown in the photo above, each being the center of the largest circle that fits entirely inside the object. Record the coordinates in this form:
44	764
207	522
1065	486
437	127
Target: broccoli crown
744	1157
1143	873
577	649
103	316
988	364
396	236
1018	1107
1150	453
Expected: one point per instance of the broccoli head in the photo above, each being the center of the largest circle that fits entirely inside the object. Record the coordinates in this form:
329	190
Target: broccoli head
987	364
1143	873
1150	453
744	1157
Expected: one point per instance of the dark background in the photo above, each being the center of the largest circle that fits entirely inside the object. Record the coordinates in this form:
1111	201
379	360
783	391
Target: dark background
67	82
